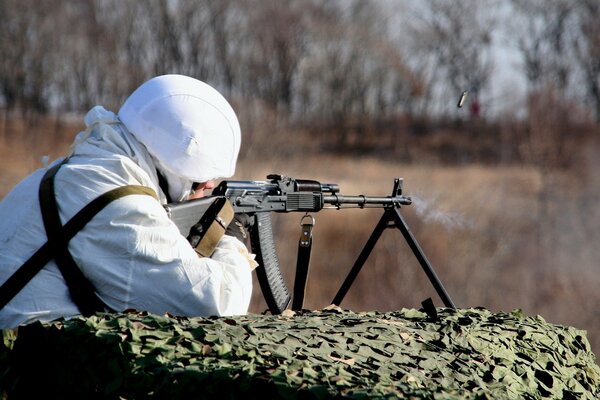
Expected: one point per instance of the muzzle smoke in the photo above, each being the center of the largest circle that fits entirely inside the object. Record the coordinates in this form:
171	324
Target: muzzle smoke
429	213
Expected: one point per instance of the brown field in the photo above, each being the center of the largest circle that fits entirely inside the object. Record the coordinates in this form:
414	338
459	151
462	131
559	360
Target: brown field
482	228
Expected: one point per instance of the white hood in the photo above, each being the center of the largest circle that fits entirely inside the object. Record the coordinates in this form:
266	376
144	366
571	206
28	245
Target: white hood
187	125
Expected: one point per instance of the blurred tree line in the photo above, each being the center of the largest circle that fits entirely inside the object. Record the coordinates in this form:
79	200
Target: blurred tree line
366	74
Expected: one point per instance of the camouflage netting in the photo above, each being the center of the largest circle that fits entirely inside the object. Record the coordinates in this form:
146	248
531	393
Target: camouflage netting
456	354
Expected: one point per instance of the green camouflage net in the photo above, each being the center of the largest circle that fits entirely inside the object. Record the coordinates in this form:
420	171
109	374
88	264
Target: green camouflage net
448	354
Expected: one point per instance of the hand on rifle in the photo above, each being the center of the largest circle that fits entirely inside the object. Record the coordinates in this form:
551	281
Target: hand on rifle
238	227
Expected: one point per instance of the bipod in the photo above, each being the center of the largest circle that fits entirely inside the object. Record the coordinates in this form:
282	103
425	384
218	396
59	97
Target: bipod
393	219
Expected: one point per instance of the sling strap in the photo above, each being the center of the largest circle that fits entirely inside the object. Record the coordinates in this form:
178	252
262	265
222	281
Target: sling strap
80	288
205	235
303	261
82	291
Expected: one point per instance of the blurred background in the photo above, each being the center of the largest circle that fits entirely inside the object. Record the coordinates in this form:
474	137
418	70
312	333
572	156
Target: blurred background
359	92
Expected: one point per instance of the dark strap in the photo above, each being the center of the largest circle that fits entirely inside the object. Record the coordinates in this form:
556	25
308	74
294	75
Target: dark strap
83	293
164	185
303	262
57	244
212	226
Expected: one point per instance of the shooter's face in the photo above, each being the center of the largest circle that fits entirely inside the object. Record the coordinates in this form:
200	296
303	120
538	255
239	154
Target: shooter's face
198	189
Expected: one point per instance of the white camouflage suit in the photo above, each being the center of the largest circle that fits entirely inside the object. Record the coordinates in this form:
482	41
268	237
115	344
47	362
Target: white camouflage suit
131	252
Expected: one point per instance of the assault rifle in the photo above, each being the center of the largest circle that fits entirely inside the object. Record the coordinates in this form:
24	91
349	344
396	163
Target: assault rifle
283	194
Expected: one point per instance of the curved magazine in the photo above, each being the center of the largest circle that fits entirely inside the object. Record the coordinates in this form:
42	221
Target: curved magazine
269	275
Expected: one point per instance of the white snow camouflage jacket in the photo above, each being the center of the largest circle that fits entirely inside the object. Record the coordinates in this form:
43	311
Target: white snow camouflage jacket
131	251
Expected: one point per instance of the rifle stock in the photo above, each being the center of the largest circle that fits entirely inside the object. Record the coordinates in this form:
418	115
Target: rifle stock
187	213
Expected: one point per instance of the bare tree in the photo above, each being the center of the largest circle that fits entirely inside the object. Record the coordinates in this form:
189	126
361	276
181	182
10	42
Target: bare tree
12	50
452	42
587	49
275	43
27	36
354	73
541	31
226	36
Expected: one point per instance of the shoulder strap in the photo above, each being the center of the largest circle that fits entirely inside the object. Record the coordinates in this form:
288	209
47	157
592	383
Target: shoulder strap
56	247
81	289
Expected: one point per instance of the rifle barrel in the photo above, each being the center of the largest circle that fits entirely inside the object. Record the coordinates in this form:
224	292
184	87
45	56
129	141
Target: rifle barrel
361	201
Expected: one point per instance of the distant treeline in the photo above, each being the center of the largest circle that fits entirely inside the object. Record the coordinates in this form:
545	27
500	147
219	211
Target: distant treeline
351	68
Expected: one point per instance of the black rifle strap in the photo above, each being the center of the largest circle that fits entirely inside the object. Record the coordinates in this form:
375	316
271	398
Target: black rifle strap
57	244
303	262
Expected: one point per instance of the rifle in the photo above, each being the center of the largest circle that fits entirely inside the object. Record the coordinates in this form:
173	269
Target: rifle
284	194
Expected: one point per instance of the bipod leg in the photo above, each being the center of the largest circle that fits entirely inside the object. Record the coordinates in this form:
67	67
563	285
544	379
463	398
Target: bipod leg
420	255
364	254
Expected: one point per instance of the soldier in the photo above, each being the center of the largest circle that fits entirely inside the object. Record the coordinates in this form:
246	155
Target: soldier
172	137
